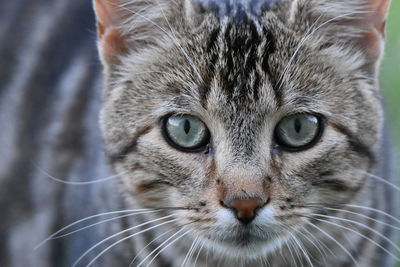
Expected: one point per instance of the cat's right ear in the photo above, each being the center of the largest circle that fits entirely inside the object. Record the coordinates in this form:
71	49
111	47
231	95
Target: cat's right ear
112	42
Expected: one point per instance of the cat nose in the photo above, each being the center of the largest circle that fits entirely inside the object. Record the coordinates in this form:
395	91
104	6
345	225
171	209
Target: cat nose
245	209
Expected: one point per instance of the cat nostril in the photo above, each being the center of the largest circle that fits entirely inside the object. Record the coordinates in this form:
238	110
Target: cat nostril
245	209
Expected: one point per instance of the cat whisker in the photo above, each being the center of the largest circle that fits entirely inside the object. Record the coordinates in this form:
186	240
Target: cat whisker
353	206
311	241
117	234
320	242
334	240
356	232
163	248
48	175
289	246
359	224
151	242
194	251
300	246
361	215
103	221
380	179
199	252
83	220
128	237
298	256
190	251
54	235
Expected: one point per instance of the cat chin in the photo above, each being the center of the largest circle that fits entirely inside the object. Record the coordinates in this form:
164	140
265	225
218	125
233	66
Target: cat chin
250	250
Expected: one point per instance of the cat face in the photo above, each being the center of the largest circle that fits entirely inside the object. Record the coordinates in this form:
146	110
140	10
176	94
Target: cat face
242	119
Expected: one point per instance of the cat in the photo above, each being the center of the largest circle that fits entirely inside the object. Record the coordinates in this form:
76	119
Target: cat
198	104
255	128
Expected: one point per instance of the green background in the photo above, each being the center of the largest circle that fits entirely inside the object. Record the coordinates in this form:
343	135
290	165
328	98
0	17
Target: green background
390	76
390	79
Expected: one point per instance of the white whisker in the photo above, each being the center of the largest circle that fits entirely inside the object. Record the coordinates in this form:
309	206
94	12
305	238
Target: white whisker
151	242
311	241
103	221
363	216
360	234
86	219
116	234
358	207
320	242
359	224
381	180
188	252
301	247
288	245
198	253
48	175
128	237
165	247
194	250
336	242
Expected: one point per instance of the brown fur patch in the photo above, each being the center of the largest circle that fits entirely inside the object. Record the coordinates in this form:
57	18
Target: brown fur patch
113	45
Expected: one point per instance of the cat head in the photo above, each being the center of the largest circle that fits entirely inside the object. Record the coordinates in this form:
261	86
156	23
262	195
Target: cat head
243	114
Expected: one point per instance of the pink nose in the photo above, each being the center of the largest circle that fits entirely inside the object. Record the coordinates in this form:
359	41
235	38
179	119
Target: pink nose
245	209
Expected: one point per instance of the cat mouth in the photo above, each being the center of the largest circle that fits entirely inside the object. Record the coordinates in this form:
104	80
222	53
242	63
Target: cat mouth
249	236
248	244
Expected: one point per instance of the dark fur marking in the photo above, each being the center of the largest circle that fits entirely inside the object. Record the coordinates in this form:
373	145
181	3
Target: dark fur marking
355	144
271	74
211	48
240	53
131	147
276	161
144	187
335	184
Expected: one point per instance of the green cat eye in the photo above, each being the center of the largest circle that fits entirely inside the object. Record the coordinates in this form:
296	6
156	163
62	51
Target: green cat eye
186	132
298	132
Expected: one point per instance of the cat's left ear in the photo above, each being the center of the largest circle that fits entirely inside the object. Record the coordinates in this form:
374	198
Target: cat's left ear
358	24
112	41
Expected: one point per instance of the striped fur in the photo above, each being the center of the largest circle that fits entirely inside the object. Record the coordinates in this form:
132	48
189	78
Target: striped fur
51	91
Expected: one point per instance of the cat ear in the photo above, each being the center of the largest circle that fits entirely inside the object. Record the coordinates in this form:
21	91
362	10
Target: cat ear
357	24
128	25
112	41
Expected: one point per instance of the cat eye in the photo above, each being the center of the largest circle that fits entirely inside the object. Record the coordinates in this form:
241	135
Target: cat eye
298	132
186	133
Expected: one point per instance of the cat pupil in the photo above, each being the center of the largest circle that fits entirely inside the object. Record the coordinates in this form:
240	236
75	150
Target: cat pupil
297	125
186	126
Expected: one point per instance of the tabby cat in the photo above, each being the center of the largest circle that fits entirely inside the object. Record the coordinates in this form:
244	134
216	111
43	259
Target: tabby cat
241	133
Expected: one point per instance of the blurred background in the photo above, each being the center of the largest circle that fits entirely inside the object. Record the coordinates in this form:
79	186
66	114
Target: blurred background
390	79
